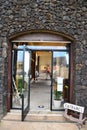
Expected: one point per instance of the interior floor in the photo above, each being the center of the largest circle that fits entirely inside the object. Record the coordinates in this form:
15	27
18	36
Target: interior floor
40	94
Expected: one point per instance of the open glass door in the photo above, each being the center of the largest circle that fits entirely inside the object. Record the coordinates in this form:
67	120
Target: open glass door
17	78
26	83
20	88
60	84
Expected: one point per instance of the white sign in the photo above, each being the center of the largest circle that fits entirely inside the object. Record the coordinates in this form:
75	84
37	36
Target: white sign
74	107
60	80
60	84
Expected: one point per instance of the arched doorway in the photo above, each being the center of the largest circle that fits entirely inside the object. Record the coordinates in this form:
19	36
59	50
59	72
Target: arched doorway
41	49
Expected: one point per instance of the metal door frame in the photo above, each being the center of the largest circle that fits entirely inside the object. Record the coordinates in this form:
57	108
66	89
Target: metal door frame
24	110
24	115
52	79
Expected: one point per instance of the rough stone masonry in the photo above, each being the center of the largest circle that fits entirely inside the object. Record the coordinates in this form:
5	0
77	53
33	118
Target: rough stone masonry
65	16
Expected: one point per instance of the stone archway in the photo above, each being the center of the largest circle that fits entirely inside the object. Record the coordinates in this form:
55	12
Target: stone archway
43	37
59	35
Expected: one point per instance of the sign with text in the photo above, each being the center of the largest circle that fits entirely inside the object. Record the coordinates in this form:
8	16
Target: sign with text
74	107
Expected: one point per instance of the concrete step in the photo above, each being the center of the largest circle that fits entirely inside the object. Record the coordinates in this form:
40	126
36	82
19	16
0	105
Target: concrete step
37	116
45	117
37	121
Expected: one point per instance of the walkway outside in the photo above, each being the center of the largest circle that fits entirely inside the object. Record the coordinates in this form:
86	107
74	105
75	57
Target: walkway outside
17	125
6	125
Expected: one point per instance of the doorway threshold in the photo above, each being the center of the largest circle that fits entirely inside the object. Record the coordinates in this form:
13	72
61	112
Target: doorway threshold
36	116
45	115
44	112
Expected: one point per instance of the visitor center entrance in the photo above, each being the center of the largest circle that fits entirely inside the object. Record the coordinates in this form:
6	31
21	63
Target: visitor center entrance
40	75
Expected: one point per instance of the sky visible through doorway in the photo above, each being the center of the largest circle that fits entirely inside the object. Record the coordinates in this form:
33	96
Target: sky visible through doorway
58	54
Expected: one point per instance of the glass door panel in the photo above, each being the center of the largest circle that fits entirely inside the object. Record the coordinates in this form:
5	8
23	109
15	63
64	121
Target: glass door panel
25	90
17	78
60	85
26	83
20	88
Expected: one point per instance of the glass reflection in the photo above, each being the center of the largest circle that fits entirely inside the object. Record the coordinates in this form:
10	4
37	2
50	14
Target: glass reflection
60	79
17	79
26	77
20	78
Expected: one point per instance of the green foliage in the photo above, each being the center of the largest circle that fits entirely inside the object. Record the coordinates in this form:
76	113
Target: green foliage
57	95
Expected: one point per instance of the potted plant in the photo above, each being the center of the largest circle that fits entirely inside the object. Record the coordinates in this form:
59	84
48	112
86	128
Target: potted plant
57	98
57	95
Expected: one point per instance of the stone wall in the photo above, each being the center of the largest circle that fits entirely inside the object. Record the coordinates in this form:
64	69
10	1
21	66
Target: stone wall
66	16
